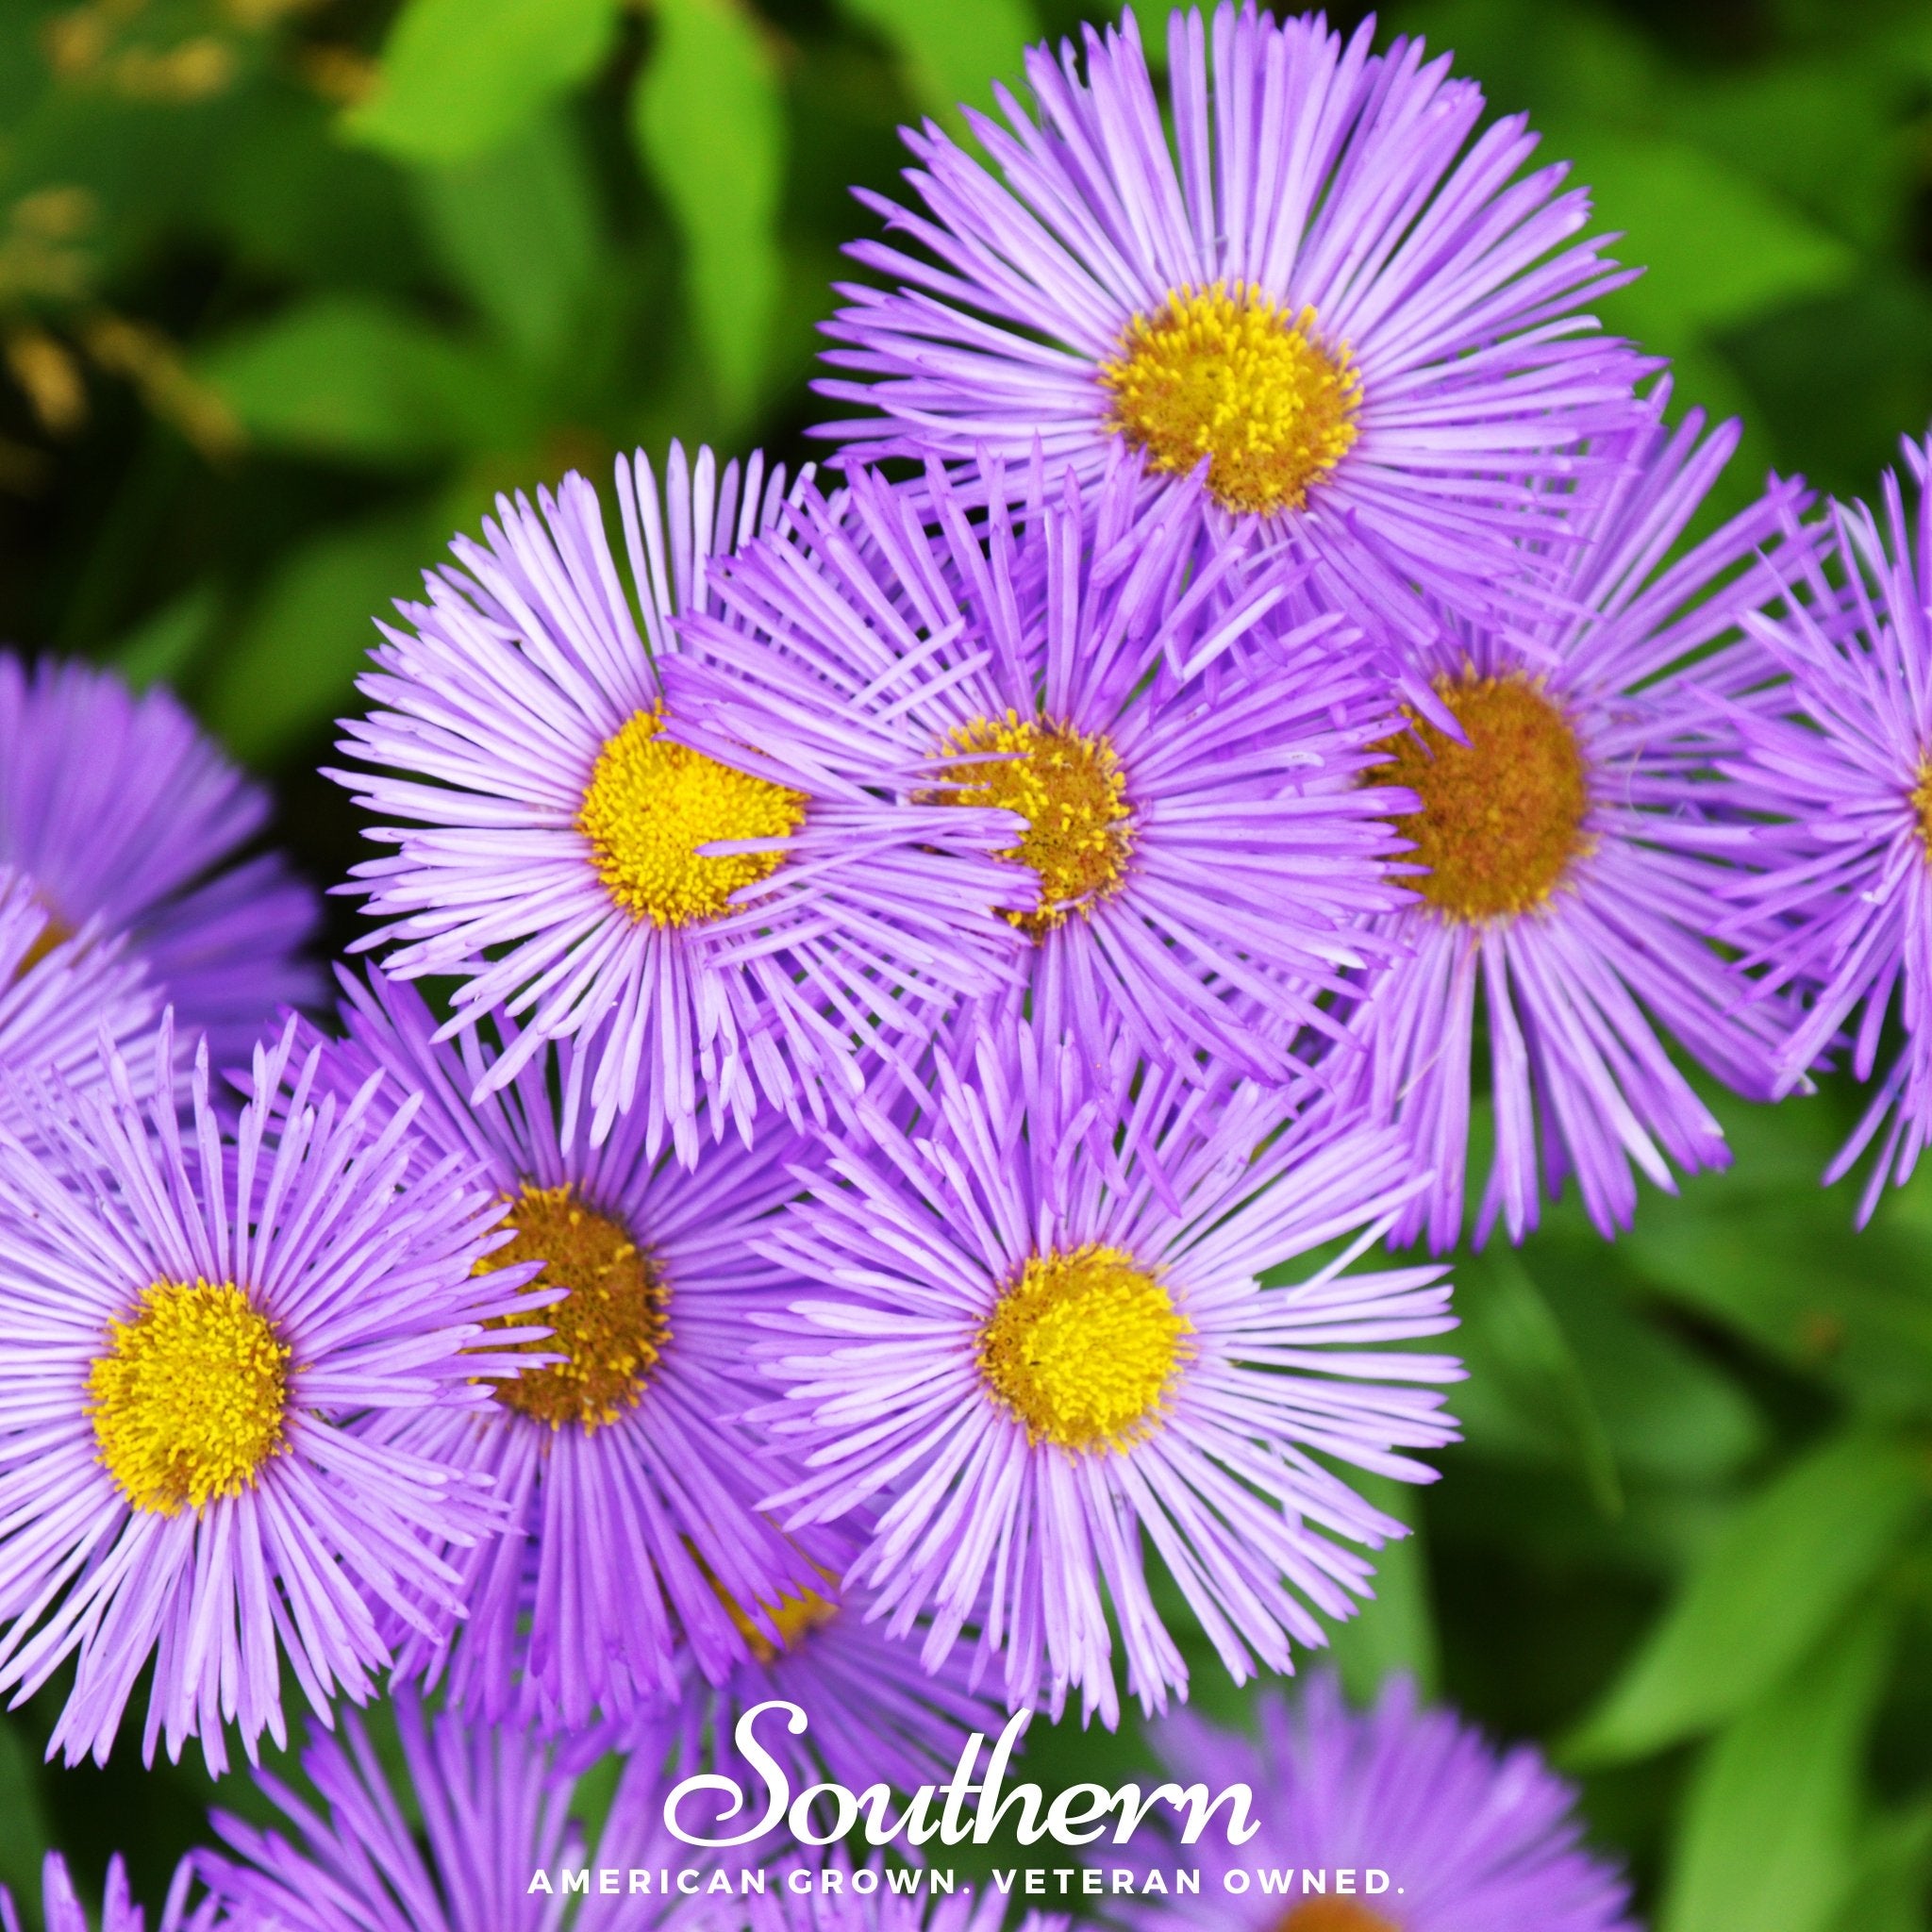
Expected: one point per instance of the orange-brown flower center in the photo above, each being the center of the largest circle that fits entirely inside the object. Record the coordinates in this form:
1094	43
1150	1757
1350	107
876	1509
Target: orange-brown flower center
1333	1915
610	1328
1502	816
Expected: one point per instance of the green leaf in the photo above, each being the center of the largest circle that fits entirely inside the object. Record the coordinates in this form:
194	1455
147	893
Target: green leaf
518	230
710	126
294	661
23	1836
459	77
1767	1252
1396	1632
1888	1889
358	378
1523	1373
1670	1417
1782	1572
1718	247
955	52
163	648
1767	1841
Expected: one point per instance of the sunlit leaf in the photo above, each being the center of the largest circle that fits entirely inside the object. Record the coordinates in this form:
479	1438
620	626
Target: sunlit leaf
458	77
1768	1840
1717	247
360	379
1783	1572
1888	1889
710	125
518	230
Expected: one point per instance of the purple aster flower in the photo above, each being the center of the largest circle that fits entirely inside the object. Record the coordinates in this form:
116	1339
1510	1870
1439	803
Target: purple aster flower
1458	1834
865	1902
1841	909
630	1493
877	1713
1040	1345
1198	854
125	817
63	1912
192	1320
1304	270
496	1808
1571	851
61	993
722	936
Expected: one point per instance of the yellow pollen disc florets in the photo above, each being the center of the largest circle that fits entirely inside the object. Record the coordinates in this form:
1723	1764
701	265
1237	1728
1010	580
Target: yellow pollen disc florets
1922	804
1501	817
1083	1346
191	1398
1333	1915
56	933
651	805
795	1618
1071	792
1228	375
610	1328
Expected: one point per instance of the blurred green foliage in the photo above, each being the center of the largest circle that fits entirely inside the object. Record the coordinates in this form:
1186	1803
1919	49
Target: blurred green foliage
290	288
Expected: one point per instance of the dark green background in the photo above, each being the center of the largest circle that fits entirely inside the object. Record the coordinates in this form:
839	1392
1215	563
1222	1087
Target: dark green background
265	349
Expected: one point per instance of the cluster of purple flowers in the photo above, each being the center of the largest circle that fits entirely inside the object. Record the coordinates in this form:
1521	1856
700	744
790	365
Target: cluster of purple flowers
907	1004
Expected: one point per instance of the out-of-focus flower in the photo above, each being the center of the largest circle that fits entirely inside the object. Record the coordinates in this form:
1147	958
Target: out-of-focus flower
496	1809
1460	1835
61	994
126	819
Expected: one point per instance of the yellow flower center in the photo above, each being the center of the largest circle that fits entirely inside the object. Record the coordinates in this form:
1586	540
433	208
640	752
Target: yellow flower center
1333	1915
1083	1346
795	1617
610	1328
56	932
1228	375
1502	816
1071	792
651	805
1922	804
191	1398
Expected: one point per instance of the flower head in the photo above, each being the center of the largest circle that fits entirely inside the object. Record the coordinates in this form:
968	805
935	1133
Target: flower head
61	991
126	819
631	1534
1041	1344
497	1807
1190	850
1304	274
876	1713
865	1902
1838	906
63	1912
195	1320
1570	849
1466	1835
722	938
